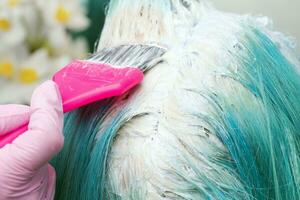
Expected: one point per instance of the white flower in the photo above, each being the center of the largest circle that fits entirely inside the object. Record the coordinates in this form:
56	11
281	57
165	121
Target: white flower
10	4
59	62
36	67
62	44
79	48
9	62
11	30
35	43
27	76
7	67
65	13
59	40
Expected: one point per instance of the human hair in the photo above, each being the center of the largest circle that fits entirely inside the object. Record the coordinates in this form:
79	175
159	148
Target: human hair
217	118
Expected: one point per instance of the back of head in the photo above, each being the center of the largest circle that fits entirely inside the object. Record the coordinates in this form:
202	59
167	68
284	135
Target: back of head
217	118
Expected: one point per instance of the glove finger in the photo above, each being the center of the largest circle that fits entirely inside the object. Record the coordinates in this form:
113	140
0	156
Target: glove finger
44	137
12	117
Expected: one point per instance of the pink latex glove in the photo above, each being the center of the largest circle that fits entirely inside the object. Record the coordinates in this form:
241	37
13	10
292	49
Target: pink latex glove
24	170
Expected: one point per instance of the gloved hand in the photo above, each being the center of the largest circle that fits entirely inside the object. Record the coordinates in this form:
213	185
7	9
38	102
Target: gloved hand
24	170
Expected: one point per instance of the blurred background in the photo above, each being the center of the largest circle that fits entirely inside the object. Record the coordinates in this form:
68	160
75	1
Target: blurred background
284	13
37	37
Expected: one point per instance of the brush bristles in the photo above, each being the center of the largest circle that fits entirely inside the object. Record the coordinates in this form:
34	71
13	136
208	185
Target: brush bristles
140	56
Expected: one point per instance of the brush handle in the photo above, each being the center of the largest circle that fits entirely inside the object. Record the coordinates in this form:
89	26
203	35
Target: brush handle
82	82
10	137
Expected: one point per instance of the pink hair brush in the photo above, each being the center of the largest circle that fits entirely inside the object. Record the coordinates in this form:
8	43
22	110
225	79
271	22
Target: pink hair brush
109	73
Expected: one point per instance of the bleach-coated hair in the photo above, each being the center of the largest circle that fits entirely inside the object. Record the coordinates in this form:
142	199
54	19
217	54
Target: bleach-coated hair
218	118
